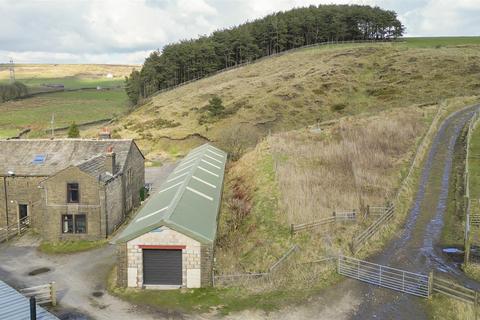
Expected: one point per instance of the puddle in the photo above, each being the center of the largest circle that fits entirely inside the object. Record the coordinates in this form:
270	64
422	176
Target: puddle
72	316
38	271
97	294
452	250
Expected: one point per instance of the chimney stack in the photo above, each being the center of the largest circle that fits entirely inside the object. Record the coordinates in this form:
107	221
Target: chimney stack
105	134
110	160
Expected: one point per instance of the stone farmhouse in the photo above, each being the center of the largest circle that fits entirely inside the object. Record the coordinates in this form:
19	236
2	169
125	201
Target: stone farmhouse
170	242
69	189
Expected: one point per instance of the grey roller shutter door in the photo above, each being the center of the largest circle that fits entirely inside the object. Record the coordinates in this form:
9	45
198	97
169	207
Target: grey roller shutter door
162	267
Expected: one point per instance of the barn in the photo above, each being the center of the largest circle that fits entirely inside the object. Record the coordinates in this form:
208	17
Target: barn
170	242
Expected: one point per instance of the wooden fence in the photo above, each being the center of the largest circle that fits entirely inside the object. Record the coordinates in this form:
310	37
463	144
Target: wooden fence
44	294
15	229
225	279
344	216
396	279
360	240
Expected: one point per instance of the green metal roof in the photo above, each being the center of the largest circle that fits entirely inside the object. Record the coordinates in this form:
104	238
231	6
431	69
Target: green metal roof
189	199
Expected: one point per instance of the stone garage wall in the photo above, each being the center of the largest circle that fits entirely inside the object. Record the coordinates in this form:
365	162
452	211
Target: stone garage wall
191	256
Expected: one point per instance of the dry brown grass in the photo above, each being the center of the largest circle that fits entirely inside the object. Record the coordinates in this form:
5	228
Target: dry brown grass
29	71
297	89
353	163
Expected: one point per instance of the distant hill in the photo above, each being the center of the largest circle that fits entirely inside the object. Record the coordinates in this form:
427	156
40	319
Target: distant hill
305	87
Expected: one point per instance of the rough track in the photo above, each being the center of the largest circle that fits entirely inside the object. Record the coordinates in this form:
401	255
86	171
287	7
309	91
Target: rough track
416	248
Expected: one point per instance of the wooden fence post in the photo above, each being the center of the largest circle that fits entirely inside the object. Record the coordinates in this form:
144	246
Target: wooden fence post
53	293
430	284
18	226
291	229
475	305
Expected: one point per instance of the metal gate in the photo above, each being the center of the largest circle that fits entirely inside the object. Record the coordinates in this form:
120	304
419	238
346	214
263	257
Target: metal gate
162	267
383	276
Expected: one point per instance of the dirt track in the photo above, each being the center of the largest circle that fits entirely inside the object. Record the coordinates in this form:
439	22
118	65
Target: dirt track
416	248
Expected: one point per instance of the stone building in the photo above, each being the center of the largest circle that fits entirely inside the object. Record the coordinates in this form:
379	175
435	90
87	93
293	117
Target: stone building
169	243
69	189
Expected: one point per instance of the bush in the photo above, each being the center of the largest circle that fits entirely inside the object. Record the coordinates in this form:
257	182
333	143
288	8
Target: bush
215	106
12	91
73	131
237	139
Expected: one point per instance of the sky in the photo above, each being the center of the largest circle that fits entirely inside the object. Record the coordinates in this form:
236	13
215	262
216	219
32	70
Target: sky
126	31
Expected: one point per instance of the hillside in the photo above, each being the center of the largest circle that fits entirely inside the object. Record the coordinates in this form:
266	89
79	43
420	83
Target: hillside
82	106
305	87
71	75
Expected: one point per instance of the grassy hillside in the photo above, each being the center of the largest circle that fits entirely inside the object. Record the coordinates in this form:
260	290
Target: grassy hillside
71	75
79	106
306	86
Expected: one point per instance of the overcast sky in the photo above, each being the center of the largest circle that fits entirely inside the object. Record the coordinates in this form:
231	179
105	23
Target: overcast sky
121	31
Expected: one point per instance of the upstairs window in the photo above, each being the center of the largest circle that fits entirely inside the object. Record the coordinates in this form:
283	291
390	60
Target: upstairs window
73	194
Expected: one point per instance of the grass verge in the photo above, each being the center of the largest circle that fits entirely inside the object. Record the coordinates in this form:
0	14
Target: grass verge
67	247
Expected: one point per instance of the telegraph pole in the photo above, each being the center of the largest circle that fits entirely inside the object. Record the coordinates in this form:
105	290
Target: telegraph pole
52	122
12	71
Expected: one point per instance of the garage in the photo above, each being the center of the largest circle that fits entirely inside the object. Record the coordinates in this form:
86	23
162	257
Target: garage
162	267
169	243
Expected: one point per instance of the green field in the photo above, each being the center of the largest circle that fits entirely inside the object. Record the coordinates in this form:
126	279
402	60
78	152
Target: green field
429	42
79	106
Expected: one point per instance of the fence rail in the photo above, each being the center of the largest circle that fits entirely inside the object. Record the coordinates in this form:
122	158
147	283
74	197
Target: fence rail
228	278
343	216
396	279
44	294
360	240
15	229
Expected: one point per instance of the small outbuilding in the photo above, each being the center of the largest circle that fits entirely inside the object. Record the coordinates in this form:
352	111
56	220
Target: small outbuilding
170	242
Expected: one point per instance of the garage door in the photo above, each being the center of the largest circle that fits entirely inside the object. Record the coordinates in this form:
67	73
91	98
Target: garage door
162	267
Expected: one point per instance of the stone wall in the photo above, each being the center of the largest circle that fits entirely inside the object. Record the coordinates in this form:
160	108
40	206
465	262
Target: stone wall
207	265
191	256
122	265
135	164
90	204
20	190
114	204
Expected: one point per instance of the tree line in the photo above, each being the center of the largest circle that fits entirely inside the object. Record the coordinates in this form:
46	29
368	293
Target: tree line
196	58
12	91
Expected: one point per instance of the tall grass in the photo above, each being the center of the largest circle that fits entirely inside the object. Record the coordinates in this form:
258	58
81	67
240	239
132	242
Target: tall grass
354	163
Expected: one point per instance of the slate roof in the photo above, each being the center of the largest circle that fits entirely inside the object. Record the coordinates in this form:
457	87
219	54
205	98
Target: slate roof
188	201
88	154
15	306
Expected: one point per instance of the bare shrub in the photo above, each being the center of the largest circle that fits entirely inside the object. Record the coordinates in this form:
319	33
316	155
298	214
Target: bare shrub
237	139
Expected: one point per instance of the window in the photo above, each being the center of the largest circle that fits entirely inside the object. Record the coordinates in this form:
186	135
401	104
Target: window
67	223
72	193
74	223
80	223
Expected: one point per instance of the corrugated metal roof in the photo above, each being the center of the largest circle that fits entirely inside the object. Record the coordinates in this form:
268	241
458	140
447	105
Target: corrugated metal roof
14	306
189	199
19	155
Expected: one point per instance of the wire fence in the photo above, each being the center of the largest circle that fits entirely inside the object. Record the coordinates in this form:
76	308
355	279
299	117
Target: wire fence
343	216
469	218
230	279
276	54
